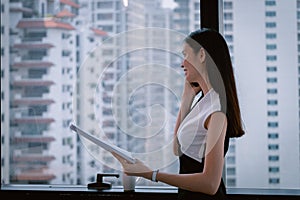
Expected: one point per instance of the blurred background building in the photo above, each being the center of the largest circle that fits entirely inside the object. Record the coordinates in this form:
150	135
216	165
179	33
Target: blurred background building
62	60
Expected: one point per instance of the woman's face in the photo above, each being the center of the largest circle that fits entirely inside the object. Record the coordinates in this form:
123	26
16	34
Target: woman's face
189	63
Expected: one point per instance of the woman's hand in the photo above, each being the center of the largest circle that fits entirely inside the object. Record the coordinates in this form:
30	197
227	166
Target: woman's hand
189	92
134	169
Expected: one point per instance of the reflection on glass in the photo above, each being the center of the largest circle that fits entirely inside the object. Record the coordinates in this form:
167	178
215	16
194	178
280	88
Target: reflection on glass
64	61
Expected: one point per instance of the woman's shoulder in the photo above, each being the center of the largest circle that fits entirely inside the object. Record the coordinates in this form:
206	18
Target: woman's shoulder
210	102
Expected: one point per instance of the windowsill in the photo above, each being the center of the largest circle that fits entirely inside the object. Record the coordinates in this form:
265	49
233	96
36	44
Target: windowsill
76	192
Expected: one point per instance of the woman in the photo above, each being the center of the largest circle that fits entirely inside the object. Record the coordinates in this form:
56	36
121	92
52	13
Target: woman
203	130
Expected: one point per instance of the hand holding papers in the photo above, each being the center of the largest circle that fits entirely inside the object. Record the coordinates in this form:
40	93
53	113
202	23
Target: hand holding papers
104	144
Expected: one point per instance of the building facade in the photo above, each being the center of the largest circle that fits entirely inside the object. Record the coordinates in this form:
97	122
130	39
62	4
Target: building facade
41	42
267	73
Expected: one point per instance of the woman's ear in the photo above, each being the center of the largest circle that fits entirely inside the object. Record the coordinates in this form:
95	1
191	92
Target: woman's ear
202	55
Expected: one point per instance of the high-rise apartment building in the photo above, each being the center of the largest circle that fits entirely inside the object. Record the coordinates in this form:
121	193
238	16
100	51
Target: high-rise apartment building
187	16
113	113
262	37
89	65
42	42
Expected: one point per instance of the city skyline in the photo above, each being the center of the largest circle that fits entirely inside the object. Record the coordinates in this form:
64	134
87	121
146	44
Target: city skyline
80	41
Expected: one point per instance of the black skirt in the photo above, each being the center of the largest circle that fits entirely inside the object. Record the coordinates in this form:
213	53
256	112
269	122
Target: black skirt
188	166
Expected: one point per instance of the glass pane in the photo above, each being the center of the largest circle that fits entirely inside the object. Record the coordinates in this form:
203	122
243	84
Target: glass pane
110	66
262	36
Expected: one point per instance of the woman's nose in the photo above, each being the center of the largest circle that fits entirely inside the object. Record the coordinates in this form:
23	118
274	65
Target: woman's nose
183	63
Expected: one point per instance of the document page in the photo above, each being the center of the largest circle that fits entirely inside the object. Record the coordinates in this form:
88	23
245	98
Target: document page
104	144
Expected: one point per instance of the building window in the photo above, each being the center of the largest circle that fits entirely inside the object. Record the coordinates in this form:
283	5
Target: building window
272	80
228	5
270	14
273	135
273	158
102	5
228	27
196	6
273	146
271	58
271	69
270	25
273	169
229	38
271	46
106	28
271	35
272	91
230	171
230	160
272	102
105	16
272	113
228	16
274	180
272	124
231	182
270	3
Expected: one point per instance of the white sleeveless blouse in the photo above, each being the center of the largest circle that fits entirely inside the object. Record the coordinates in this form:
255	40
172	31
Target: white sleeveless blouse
191	132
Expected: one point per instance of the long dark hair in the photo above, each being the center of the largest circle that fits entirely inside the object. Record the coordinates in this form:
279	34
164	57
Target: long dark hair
221	76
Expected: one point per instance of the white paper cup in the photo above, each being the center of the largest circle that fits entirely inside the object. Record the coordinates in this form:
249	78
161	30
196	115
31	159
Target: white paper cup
128	182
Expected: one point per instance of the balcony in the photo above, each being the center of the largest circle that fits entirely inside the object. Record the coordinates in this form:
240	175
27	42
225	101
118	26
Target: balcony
32	64
33	158
32	45
36	139
34	176
43	23
32	120
32	101
32	82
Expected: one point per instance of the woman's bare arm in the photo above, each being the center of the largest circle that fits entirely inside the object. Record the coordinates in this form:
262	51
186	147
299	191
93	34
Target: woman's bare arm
175	139
209	180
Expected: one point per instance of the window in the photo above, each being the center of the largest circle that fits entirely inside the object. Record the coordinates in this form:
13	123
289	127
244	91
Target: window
273	113
272	102
105	16
104	5
228	5
273	146
274	180
271	47
273	158
273	135
228	16
42	88
271	35
270	2
274	169
272	91
270	14
267	122
270	24
272	80
272	124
